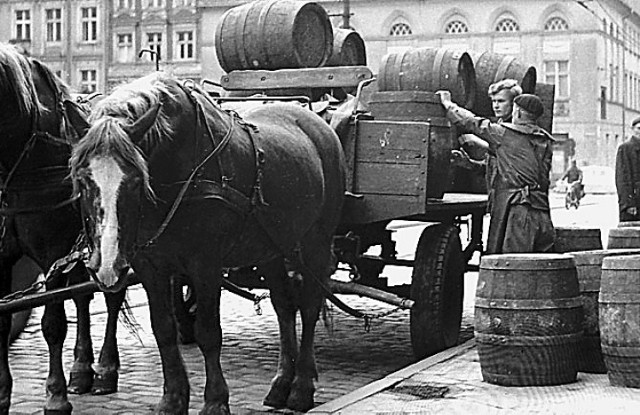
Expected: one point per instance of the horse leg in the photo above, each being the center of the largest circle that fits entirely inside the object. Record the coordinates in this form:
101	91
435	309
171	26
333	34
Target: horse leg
54	329
81	375
317	267
208	334
106	371
281	293
6	380
175	398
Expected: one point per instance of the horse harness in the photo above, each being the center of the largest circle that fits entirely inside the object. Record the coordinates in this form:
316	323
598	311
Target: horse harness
56	171
218	189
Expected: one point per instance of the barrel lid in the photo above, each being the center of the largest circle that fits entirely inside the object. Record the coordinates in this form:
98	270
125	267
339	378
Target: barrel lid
619	262
532	261
627	231
632	223
596	256
577	230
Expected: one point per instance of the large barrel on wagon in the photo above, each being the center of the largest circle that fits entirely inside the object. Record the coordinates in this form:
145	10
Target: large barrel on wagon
430	69
274	34
528	319
624	237
589	271
619	304
493	67
348	49
571	238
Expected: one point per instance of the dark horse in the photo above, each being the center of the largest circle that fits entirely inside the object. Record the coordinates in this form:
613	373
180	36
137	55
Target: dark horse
40	219
174	185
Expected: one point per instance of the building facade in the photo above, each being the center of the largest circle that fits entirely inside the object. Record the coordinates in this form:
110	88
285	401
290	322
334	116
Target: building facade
590	50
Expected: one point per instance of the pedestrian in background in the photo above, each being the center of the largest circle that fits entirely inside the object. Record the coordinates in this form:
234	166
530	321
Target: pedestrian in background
628	175
520	215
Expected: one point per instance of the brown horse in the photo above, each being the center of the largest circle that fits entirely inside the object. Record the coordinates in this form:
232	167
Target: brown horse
40	219
174	185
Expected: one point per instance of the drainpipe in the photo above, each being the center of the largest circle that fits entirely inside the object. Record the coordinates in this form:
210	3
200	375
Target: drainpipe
346	14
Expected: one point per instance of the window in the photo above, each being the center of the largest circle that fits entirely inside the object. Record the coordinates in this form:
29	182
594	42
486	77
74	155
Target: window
89	21
603	102
124	4
183	3
154	42
556	24
54	24
456	26
557	73
507	24
88	81
124	45
23	24
184	45
155	3
400	29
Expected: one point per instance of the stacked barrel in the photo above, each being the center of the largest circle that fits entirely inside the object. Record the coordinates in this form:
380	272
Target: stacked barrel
542	318
284	34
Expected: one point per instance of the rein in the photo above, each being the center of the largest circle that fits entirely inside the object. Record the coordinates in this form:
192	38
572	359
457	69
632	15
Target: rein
185	186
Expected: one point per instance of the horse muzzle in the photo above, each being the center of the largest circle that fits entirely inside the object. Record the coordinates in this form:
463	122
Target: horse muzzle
110	281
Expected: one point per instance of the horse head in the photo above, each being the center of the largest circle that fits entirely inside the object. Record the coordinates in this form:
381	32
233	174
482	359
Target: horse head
109	169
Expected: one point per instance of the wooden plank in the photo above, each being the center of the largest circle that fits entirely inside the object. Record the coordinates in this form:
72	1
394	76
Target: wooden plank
374	208
333	77
387	179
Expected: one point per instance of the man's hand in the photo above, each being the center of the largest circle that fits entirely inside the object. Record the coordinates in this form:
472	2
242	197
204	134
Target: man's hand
460	158
632	210
445	98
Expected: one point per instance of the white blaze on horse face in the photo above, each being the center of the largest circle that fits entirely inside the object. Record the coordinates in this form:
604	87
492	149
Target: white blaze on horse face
108	176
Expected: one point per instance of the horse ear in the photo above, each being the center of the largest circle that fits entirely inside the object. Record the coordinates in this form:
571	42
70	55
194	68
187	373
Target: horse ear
138	129
77	117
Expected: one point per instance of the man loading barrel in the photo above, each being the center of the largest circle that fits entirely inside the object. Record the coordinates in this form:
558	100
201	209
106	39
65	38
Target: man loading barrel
502	94
520	216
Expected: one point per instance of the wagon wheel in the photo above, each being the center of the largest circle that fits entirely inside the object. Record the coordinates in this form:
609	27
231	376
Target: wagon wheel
24	273
437	289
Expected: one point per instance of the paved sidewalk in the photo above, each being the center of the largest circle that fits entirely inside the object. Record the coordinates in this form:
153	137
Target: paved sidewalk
451	383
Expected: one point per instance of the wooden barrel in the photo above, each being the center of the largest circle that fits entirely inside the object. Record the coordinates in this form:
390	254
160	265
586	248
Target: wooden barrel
589	271
528	319
348	49
570	239
274	34
493	67
619	303
430	69
624	237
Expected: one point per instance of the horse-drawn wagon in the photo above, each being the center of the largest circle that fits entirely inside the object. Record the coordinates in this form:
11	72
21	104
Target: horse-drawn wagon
397	169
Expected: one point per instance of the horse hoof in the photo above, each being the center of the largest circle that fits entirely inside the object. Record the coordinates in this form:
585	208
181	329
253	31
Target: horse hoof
215	409
105	383
301	396
80	382
58	411
277	396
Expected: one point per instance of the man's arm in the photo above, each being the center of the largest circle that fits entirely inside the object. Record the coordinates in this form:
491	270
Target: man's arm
482	127
623	184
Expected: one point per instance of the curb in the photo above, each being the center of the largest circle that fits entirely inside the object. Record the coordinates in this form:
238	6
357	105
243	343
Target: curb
334	407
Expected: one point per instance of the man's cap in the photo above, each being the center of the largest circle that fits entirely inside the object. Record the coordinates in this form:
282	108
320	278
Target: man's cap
530	103
635	121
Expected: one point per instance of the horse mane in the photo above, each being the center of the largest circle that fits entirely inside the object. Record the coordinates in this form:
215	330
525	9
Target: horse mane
123	106
17	81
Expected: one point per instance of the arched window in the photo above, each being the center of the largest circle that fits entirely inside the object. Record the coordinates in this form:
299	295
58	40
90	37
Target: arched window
400	29
456	26
507	24
556	24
